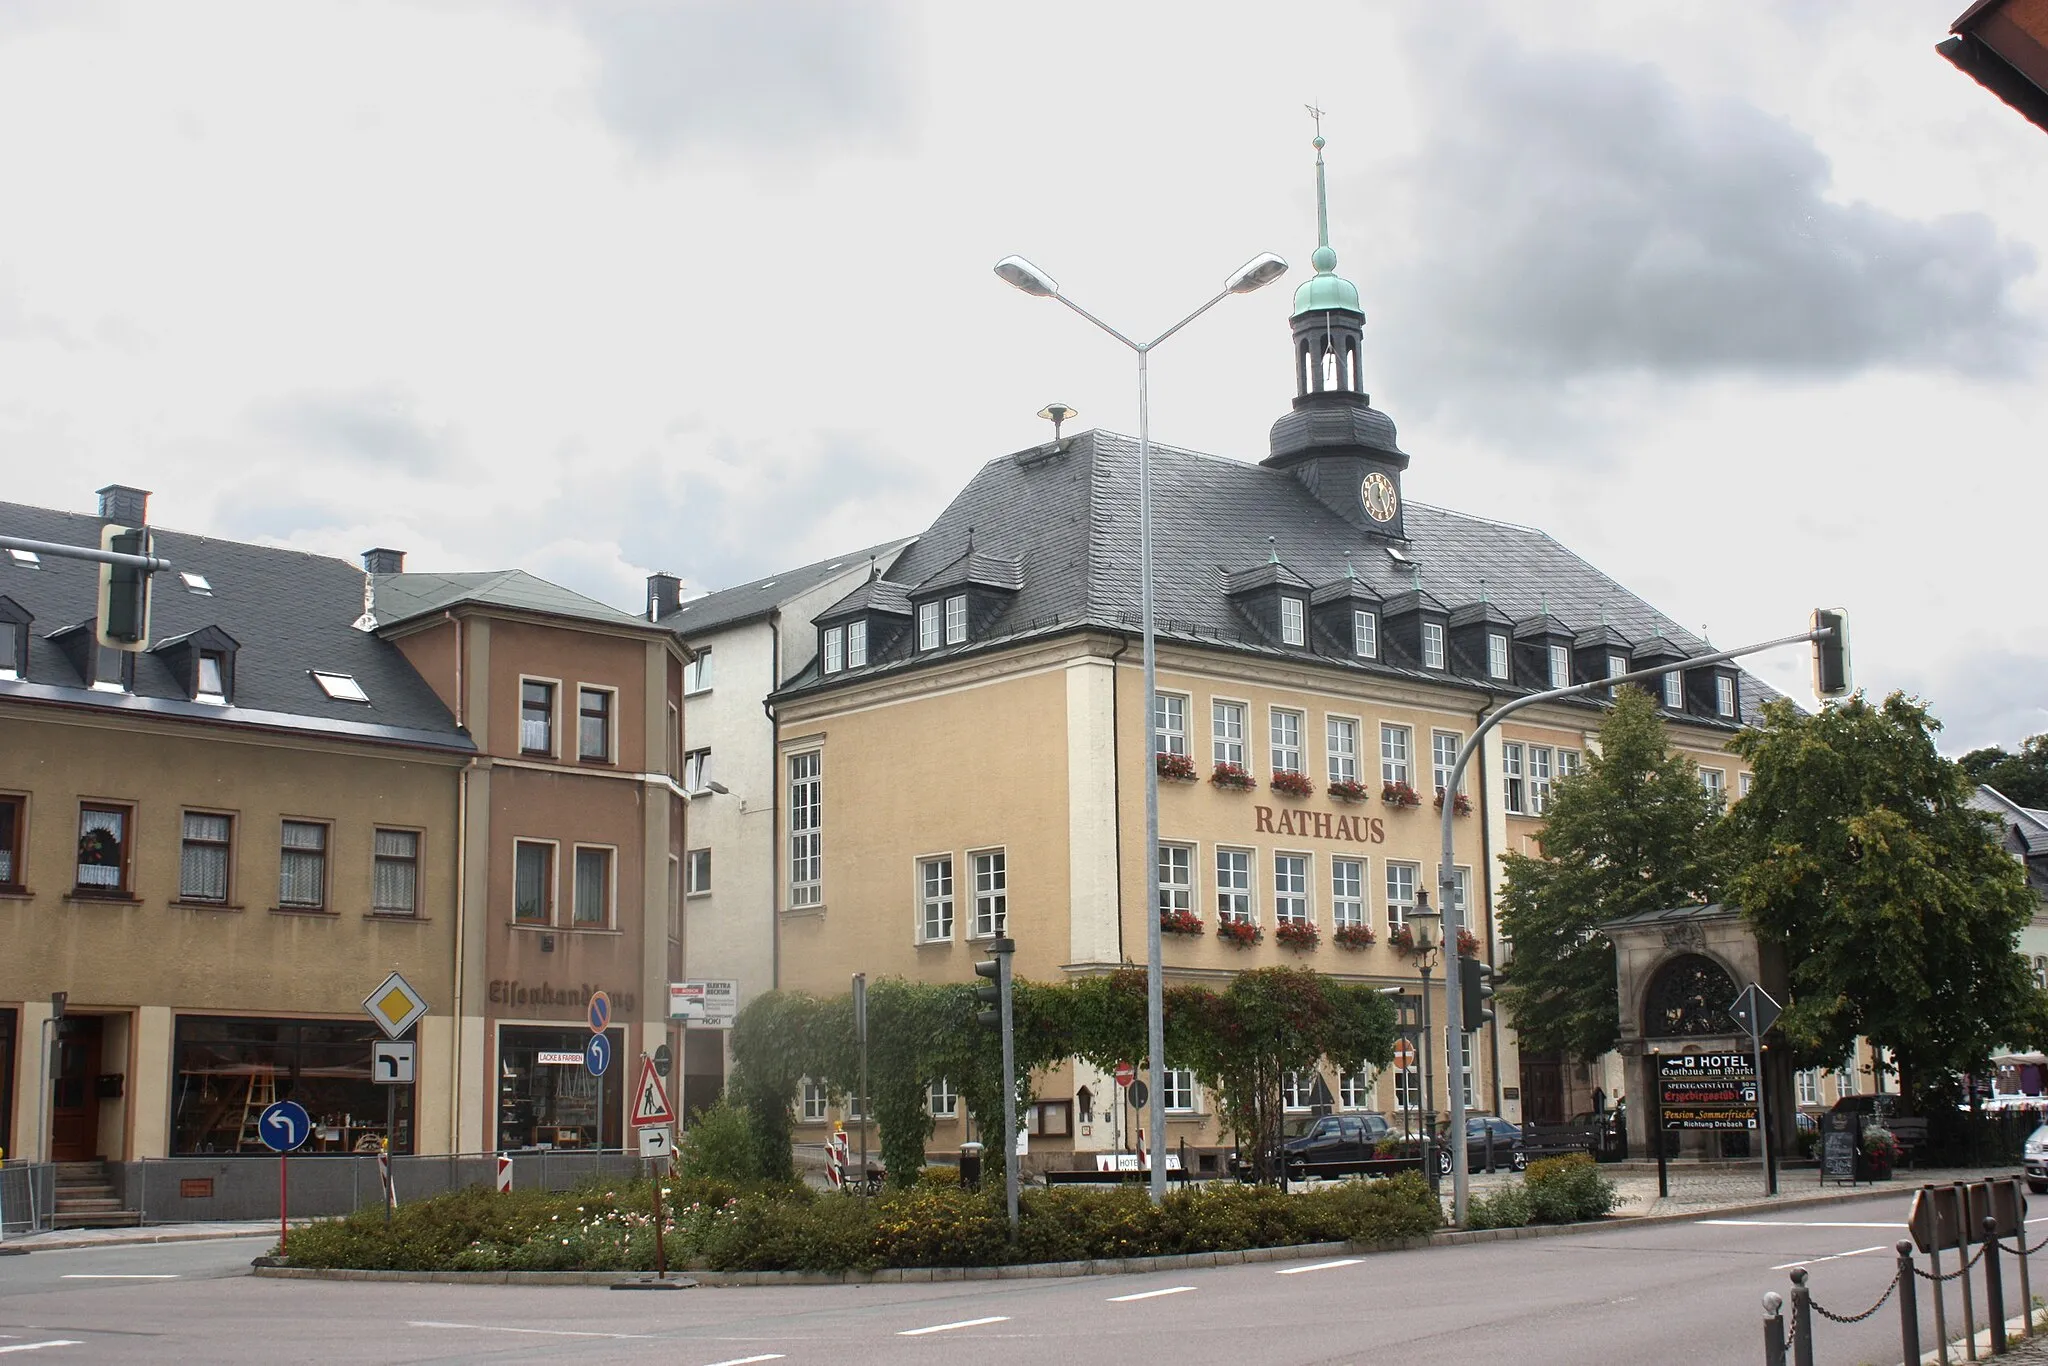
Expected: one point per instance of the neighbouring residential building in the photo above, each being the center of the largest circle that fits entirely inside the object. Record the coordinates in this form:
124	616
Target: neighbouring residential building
743	642
2003	46
1324	645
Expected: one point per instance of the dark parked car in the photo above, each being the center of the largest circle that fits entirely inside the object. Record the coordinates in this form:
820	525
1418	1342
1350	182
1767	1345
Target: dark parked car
2034	1157
1329	1143
1507	1144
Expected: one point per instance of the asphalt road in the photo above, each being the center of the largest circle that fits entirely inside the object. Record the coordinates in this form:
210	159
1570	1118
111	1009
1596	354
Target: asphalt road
1673	1292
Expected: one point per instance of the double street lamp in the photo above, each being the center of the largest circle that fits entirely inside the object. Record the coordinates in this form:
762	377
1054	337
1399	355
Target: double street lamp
1260	271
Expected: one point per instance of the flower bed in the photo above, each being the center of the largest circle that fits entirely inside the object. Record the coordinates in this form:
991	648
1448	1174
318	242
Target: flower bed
1354	936
1233	777
1460	806
1180	922
1298	934
1177	767
1399	794
1243	933
1293	784
1349	790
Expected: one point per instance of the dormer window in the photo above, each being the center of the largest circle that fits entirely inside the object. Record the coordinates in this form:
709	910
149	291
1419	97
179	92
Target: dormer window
1560	666
956	618
1724	695
14	620
1365	634
1432	645
213	685
1496	654
1617	665
835	647
1674	692
856	644
110	669
1291	630
928	626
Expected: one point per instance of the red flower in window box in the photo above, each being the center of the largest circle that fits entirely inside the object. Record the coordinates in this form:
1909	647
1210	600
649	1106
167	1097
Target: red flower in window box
1403	939
1461	805
1292	783
1400	794
1242	933
1347	790
1354	936
1468	944
1232	776
1298	934
1176	766
1180	922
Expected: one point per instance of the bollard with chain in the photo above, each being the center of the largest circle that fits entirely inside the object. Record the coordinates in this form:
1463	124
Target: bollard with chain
1994	1287
1909	1302
1774	1328
1802	1319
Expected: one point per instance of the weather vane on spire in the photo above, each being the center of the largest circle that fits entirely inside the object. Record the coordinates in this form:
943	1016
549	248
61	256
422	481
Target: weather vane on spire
1317	115
1322	265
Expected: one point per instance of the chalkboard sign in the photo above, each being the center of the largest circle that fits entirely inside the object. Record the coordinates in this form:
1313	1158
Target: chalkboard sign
1840	1133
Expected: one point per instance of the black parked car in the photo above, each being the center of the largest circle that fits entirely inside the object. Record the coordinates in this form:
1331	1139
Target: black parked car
1328	1143
1507	1145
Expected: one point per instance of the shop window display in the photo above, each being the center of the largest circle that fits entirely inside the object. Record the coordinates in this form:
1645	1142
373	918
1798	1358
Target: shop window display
225	1071
547	1099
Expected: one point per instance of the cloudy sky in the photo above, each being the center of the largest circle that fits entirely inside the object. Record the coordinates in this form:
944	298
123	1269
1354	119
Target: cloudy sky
1744	303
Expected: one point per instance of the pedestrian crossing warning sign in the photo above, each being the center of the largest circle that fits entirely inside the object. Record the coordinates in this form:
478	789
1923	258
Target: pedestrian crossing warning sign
650	1098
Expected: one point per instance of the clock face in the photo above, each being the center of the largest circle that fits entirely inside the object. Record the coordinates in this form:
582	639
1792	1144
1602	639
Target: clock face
1377	493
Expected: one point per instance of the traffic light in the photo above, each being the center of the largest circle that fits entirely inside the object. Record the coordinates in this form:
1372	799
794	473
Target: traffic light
1831	653
1475	993
990	995
124	591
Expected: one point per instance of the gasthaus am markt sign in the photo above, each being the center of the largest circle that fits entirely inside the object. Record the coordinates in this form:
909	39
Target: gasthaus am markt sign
1709	1091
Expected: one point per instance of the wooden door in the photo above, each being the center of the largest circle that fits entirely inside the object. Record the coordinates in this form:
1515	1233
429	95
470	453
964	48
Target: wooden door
1542	1090
75	1107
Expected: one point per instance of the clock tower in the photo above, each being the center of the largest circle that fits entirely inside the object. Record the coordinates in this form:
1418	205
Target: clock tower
1334	440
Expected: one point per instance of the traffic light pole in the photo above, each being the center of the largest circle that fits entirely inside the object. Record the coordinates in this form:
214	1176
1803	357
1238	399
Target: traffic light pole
998	968
1829	627
153	563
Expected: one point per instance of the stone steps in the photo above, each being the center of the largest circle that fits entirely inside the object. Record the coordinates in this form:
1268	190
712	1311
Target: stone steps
86	1198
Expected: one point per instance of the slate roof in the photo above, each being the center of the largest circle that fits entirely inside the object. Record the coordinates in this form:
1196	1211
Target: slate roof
2027	826
402	597
1068	511
746	601
288	611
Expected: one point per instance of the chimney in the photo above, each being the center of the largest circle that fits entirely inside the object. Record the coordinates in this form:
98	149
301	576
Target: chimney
664	595
382	561
124	506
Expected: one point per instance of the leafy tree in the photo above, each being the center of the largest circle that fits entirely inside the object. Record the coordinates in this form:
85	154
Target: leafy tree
1896	908
2023	777
1634	831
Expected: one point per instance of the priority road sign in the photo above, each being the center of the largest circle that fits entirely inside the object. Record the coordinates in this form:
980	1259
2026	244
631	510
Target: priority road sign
391	1062
650	1098
600	1012
284	1125
394	1005
597	1054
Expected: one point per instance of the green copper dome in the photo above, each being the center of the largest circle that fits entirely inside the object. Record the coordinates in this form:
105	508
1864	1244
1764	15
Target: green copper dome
1326	289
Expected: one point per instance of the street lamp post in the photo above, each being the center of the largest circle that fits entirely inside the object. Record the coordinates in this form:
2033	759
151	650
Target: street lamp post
1426	927
1261	270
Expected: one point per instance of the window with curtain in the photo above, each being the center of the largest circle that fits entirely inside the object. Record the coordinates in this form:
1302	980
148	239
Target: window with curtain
533	882
395	873
302	866
10	841
203	857
537	717
593	887
103	848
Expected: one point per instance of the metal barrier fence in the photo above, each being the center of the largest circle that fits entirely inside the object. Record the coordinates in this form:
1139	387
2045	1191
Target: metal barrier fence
28	1197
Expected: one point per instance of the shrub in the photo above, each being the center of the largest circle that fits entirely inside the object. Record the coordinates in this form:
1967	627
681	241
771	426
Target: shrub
767	1234
1566	1189
939	1176
719	1146
1508	1207
1373	1210
931	1226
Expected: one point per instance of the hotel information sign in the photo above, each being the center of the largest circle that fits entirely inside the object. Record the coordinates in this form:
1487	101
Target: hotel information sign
1707	1091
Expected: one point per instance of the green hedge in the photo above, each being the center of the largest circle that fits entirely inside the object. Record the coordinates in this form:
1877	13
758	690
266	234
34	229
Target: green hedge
609	1226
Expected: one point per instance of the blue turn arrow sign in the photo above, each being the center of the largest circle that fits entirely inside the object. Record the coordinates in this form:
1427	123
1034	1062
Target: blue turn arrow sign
597	1054
284	1126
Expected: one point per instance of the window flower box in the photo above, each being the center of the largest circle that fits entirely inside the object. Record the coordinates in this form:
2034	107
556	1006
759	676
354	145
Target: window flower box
1400	794
1354	936
1348	790
1461	805
1232	777
1178	767
1242	933
1293	784
1468	943
1298	934
1179	922
1402	938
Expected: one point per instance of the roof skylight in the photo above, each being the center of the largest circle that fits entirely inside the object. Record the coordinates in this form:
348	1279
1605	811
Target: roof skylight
1394	554
27	559
340	687
196	582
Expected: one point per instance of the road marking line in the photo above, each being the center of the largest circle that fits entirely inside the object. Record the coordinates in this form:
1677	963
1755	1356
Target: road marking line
117	1276
36	1346
947	1327
1792	1223
1150	1294
747	1361
1835	1257
544	1332
1319	1266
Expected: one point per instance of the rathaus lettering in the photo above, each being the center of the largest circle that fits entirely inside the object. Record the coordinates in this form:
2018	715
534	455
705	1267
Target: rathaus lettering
1322	825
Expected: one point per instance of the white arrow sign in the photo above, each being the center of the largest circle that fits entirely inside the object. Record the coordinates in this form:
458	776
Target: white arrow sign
654	1142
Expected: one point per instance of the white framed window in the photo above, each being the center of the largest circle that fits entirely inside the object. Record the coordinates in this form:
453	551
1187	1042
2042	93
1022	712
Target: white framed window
991	893
814	1101
956	618
1809	1086
1443	757
697	674
212	677
1394	754
1169	723
1226	725
1295	1090
1432	645
1539	779
807	828
594	708
935	899
302	866
395	872
533	882
204	856
1560	667
1617	665
1290	889
1567	762
697	770
1342	735
1465	1068
1742	782
2041	972
1496	654
856	644
835	649
1292	631
1176	879
1715	781
1354	1091
941	1101
1674	691
536	716
1512	793
593	905
697	872
340	687
1408	1088
1178	1089
1347	892
1724	695
1365	633
1845	1081
1286	738
929	626
1461	886
1401	879
1233	884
